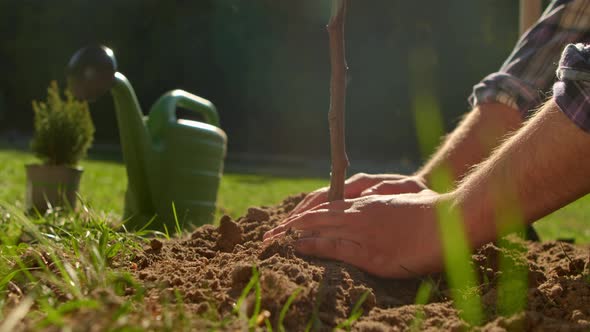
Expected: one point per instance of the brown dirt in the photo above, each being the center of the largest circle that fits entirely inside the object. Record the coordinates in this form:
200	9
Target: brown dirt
212	266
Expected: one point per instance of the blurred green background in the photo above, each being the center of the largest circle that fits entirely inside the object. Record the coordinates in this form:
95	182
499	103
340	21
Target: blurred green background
264	63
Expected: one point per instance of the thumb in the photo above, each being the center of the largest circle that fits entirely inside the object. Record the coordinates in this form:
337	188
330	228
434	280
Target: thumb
374	190
382	188
393	187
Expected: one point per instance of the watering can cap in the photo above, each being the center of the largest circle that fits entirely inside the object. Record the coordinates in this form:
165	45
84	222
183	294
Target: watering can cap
91	72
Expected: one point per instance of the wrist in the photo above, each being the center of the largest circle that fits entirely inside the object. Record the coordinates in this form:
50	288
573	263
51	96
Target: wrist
475	213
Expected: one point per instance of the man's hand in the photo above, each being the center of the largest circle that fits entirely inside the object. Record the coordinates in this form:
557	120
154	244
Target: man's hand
363	184
405	185
392	236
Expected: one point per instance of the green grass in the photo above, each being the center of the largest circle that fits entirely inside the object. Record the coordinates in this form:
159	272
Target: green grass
47	265
238	191
103	185
572	221
43	258
356	313
48	262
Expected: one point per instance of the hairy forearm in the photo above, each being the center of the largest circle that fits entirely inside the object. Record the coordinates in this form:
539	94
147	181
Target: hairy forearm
472	141
535	172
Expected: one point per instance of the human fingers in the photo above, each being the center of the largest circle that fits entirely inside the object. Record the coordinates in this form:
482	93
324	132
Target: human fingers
331	247
353	188
329	230
310	201
357	183
308	220
346	246
327	214
394	187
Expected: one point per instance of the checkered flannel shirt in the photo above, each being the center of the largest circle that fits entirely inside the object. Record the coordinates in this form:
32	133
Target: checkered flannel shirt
572	91
525	79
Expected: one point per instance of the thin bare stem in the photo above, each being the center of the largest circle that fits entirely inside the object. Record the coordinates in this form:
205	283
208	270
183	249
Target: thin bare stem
337	100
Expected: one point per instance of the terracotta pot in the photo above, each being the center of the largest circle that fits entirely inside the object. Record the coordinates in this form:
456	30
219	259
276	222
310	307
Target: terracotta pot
50	185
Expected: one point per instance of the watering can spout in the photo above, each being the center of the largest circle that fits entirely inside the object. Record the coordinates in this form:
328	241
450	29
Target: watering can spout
135	144
92	72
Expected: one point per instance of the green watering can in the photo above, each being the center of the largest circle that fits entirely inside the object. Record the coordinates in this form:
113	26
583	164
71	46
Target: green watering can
174	166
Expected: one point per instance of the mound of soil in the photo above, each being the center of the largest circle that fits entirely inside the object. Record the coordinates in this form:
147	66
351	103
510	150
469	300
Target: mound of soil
211	268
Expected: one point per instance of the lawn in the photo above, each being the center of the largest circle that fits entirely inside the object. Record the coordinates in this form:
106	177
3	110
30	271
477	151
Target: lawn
77	272
55	269
104	182
103	186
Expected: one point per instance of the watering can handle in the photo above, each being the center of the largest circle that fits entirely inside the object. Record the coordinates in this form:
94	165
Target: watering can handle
193	103
163	112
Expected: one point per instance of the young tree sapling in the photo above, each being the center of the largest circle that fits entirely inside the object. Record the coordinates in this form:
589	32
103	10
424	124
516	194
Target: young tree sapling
337	100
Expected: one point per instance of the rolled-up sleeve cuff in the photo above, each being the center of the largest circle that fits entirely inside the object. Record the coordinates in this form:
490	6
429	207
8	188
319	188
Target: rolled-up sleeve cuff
572	92
506	89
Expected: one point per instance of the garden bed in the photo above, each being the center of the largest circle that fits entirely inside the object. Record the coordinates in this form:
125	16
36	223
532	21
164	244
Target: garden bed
209	270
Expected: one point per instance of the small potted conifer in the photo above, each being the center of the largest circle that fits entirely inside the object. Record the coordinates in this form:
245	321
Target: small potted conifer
63	133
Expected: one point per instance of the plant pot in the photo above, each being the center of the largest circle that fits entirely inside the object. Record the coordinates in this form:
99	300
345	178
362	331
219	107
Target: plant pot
51	186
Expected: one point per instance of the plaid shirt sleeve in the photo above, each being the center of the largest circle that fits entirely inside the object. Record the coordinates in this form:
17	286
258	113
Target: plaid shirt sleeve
529	72
572	91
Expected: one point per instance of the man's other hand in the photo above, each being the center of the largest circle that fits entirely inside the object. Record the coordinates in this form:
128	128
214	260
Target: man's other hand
363	184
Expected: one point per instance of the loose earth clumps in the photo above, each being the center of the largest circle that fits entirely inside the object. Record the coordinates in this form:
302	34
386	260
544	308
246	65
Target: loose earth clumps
211	268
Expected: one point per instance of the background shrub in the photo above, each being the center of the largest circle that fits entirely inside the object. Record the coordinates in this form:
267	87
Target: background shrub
63	128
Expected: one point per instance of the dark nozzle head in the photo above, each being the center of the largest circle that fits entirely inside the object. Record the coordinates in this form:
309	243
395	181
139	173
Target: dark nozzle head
91	72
